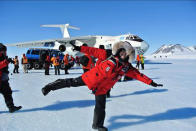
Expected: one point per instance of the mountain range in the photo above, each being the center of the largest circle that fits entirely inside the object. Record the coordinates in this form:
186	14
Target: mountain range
173	49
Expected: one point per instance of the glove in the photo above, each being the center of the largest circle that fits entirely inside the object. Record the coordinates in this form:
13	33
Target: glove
155	84
10	60
77	48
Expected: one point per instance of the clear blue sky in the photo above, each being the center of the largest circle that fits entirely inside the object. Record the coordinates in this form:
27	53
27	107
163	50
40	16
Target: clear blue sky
157	22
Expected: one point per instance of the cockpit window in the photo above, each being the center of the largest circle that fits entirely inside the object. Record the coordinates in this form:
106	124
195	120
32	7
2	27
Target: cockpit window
134	38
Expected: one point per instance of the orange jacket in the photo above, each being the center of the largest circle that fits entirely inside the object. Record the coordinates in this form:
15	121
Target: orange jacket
66	60
16	62
103	76
138	57
55	61
24	60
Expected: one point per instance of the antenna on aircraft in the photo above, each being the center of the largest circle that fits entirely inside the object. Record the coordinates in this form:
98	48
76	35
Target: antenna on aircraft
64	29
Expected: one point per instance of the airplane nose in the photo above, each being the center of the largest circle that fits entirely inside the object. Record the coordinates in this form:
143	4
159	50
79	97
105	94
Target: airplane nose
144	46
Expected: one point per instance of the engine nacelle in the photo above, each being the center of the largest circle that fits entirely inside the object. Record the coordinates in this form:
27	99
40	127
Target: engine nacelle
62	48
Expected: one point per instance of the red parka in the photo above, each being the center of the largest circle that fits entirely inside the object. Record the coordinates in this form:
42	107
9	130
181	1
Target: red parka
103	76
3	64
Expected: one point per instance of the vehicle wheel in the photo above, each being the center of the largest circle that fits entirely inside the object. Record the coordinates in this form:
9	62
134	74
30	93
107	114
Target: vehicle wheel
62	66
36	66
29	66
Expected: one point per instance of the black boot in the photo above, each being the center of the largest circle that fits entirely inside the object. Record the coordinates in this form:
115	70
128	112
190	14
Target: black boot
45	91
14	108
102	129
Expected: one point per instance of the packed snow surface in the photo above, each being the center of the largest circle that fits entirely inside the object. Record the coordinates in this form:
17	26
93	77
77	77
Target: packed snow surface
133	106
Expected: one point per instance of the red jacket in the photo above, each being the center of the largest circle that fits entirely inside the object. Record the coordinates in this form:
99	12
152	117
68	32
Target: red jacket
107	73
101	54
3	64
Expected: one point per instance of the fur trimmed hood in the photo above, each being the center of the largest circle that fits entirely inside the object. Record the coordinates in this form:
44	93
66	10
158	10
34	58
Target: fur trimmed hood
127	46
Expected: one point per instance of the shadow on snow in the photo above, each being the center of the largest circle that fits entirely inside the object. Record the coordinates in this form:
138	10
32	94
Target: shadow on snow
62	106
142	92
153	62
172	114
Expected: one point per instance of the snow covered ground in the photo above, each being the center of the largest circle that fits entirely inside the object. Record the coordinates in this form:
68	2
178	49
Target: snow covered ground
133	106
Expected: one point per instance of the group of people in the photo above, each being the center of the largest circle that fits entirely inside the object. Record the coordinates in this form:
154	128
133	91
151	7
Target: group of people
140	60
24	62
68	62
110	67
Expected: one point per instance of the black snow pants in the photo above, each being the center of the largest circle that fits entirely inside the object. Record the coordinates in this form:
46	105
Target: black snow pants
15	69
6	91
138	64
99	111
47	68
57	70
64	83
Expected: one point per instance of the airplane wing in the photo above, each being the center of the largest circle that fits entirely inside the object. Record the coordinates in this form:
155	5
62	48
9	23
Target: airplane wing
51	43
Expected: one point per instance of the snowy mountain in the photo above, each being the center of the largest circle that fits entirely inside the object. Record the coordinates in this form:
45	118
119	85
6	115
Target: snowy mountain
193	48
174	51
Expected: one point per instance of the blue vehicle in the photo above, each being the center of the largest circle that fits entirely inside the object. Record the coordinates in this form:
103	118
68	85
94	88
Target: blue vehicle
37	56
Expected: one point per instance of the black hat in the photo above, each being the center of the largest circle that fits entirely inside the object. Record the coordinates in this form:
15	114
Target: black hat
3	47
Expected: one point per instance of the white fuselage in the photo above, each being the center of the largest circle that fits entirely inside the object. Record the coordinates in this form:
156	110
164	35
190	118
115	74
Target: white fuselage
108	41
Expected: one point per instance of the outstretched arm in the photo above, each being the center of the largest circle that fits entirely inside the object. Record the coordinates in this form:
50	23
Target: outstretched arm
92	51
95	52
135	74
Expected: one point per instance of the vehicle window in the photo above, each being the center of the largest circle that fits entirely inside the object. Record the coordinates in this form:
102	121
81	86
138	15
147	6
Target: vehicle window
28	52
35	52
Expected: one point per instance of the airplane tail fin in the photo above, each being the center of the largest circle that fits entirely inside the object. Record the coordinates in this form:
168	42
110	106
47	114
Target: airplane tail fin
64	29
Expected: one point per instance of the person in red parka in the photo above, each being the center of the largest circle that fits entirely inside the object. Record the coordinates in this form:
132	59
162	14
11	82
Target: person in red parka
102	78
66	63
86	61
5	89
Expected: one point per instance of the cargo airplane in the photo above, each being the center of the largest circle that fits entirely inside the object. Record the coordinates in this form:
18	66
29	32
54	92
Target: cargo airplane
62	44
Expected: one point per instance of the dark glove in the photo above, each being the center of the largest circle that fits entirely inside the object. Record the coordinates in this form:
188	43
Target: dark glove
77	48
155	84
10	60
